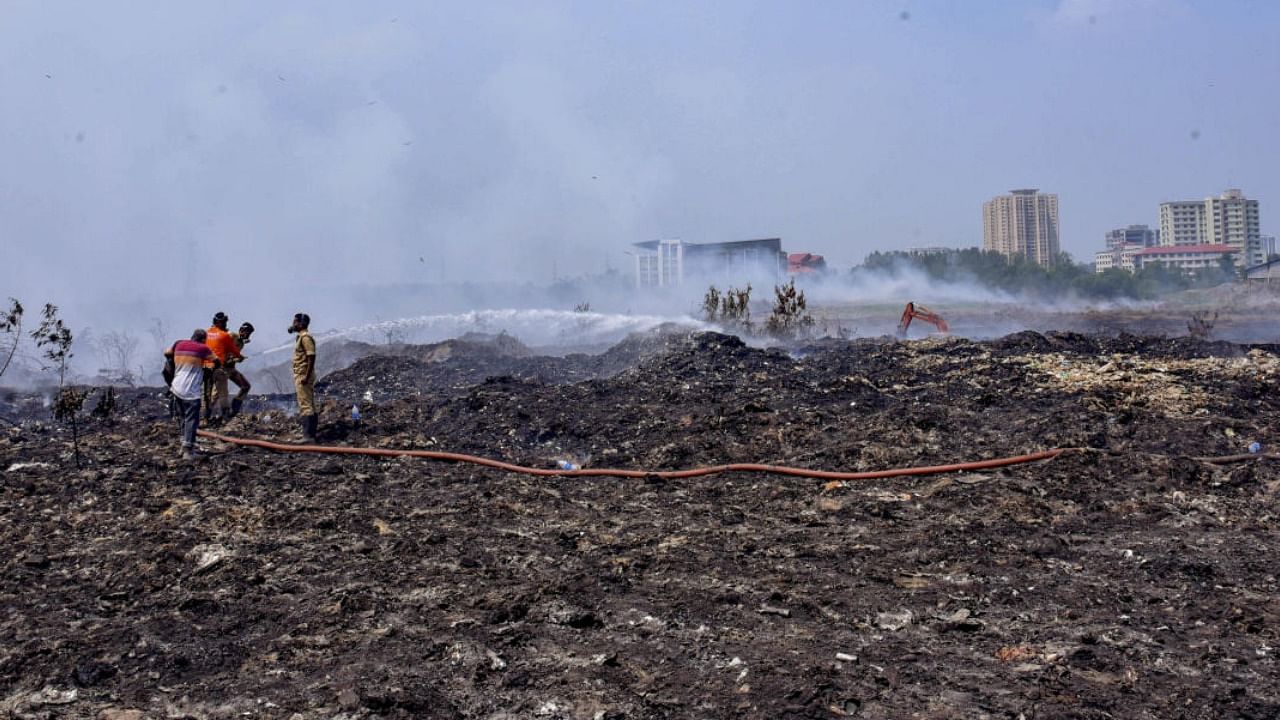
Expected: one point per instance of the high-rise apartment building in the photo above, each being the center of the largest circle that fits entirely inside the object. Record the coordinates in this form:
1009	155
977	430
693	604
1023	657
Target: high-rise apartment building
1024	222
1182	223
1229	219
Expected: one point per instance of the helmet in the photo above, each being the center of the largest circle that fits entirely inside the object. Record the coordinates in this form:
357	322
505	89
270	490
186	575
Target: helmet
220	318
246	327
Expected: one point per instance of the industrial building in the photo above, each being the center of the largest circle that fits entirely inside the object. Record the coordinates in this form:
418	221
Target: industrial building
668	263
1267	272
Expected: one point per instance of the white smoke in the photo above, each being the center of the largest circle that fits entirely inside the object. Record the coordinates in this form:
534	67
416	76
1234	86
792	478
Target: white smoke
533	327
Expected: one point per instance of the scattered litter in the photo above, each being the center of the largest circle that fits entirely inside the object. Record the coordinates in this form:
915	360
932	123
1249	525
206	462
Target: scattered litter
208	556
1014	653
495	662
53	696
20	466
894	621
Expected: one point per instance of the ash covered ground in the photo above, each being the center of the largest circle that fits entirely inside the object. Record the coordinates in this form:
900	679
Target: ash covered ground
1125	579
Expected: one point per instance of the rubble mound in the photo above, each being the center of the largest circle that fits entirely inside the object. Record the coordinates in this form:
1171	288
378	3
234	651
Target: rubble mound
452	366
1128	577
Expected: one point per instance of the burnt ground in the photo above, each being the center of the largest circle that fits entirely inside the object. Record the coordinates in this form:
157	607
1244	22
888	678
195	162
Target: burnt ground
1124	580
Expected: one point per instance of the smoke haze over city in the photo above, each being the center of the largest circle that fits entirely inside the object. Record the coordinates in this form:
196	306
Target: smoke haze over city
256	156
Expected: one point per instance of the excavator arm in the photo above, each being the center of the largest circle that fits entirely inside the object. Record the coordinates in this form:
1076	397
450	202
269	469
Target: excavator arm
920	312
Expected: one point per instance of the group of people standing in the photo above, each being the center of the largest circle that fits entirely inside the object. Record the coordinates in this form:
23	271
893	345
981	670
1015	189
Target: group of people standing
200	369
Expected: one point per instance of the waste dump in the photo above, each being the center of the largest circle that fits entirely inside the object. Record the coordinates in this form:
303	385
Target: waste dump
1133	576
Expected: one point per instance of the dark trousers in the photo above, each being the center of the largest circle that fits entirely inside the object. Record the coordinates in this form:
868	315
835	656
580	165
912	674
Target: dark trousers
190	413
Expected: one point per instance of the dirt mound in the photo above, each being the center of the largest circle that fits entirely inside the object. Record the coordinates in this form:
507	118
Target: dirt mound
451	367
1123	579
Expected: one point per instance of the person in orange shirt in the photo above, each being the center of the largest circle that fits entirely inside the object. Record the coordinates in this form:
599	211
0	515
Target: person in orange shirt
225	352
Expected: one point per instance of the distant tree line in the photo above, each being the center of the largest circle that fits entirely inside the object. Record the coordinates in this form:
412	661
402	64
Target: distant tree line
1066	277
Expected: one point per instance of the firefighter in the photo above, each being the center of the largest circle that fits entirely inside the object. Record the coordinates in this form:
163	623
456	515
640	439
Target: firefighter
225	353
304	375
241	338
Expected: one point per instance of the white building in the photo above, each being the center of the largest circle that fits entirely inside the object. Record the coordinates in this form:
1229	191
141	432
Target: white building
931	250
668	263
1187	257
1182	223
1229	219
1119	257
1104	260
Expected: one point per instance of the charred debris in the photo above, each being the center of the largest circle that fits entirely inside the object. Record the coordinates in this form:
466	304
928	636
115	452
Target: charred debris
1128	578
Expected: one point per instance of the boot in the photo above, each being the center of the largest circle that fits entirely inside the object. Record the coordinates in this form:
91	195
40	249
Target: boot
309	423
236	405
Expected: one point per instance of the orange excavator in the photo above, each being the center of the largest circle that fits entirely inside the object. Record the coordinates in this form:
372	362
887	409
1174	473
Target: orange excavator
920	312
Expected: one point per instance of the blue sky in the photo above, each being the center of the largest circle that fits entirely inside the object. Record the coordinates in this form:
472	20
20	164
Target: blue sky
249	142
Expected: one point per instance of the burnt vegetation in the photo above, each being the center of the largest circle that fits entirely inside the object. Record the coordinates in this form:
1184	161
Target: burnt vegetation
730	309
10	333
788	320
272	584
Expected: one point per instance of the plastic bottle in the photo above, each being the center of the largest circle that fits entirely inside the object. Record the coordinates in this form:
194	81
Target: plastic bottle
355	414
1255	447
566	465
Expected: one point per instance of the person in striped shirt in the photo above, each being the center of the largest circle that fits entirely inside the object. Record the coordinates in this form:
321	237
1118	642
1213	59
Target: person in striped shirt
189	358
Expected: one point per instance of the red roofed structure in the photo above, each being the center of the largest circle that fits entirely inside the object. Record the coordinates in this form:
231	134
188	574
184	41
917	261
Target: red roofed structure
1187	257
805	263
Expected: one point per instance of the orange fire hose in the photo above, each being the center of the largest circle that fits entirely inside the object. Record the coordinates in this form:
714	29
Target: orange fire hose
664	474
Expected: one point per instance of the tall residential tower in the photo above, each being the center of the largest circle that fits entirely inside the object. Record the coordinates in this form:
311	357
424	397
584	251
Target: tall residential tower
1229	219
1024	222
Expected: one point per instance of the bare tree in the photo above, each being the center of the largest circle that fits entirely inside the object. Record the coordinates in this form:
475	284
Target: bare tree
10	326
55	338
118	349
1200	326
159	332
393	335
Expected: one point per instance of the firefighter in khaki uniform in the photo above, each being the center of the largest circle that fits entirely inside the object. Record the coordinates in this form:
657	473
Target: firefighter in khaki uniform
304	375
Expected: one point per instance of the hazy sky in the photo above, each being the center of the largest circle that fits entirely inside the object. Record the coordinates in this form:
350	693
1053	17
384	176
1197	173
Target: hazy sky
304	143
